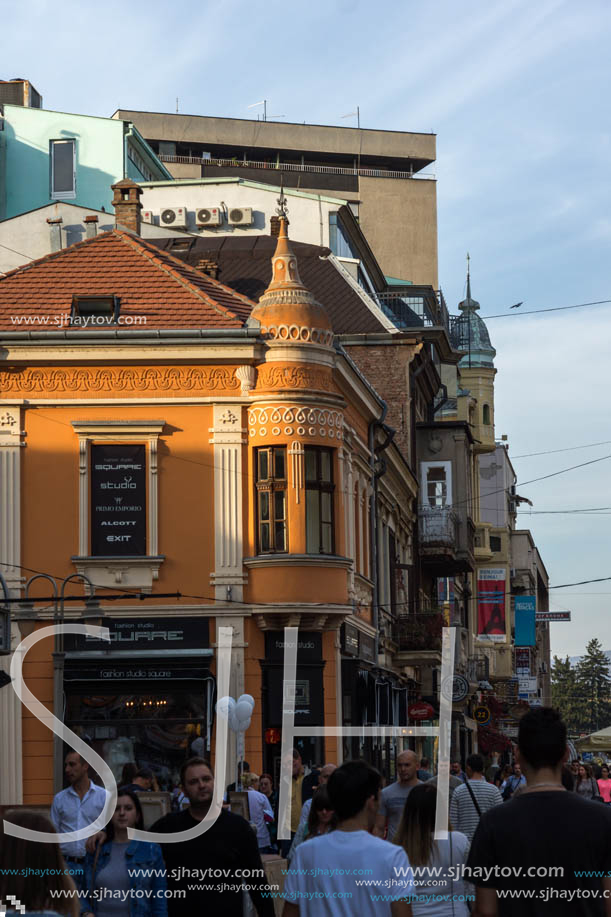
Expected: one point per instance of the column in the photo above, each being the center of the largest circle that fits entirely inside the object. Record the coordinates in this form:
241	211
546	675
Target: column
228	437
11	443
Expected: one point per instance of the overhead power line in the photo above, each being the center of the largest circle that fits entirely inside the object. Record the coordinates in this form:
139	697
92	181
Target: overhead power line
581	305
566	449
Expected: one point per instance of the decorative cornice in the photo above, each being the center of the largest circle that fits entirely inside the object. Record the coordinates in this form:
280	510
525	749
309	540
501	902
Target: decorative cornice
298	334
286	377
299	560
295	421
119	380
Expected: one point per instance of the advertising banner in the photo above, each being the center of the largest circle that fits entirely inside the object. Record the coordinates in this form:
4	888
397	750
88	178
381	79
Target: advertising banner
118	500
491	604
525	608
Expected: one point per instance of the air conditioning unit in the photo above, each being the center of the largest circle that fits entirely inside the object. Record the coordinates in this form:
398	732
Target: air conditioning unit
209	216
146	216
240	216
173	217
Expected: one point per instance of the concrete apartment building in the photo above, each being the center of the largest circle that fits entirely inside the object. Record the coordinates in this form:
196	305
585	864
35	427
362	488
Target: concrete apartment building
378	171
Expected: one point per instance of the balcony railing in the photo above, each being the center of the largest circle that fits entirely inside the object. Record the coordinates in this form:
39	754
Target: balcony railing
415	311
478	668
292	167
419	631
437	526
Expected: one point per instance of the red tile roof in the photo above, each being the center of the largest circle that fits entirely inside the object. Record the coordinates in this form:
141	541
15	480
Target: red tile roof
149	283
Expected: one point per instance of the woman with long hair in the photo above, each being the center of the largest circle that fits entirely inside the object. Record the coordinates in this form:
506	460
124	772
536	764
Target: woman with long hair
604	784
585	784
322	819
266	786
415	835
35	873
129	867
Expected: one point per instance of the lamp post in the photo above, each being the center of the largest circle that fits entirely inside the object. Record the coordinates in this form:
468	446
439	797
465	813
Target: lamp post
26	618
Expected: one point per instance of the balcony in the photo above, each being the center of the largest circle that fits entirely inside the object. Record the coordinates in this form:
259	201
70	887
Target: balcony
478	668
418	638
438	527
482	542
415	308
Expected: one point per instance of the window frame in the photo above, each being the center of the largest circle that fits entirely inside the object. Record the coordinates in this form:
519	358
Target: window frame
62	195
425	467
271	485
321	487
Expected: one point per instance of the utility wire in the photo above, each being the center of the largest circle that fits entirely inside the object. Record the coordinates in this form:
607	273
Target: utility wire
605	442
581	305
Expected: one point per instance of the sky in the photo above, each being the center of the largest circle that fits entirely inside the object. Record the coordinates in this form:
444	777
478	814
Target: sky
517	94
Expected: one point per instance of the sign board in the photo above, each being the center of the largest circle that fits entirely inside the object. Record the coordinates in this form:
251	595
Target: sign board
145	634
536	702
506	689
522	660
553	616
420	711
455	688
118	500
491	604
351	640
481	715
525	607
527	684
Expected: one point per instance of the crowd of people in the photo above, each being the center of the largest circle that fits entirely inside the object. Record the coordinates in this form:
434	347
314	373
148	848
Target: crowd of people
541	811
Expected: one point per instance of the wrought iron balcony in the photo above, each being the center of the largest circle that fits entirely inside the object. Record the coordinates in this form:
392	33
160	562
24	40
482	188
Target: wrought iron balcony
419	632
437	526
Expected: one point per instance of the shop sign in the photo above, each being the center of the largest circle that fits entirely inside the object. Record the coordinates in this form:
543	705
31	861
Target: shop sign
525	607
455	688
170	634
527	684
506	689
491	604
351	640
522	660
367	646
420	711
481	715
553	616
149	671
118	500
309	646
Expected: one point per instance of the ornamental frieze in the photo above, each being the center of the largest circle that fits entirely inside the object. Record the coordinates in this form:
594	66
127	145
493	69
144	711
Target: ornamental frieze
200	380
271	376
295	421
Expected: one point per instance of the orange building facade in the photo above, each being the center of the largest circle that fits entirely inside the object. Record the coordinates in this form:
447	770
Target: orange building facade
219	449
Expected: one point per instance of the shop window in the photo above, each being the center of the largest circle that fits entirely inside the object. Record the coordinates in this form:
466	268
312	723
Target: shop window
319	500
486	414
271	499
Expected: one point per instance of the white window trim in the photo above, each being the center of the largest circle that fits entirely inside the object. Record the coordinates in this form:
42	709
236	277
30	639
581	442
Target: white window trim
136	572
424	469
63	195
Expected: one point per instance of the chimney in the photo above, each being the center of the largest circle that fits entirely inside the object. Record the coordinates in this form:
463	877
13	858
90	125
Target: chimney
126	202
55	226
91	226
208	266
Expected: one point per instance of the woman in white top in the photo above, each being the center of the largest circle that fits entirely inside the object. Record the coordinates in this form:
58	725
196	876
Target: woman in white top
445	892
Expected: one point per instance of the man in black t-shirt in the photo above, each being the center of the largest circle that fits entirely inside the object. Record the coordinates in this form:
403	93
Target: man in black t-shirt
556	834
228	845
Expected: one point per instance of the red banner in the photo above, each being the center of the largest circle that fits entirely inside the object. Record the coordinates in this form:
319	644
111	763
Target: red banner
491	604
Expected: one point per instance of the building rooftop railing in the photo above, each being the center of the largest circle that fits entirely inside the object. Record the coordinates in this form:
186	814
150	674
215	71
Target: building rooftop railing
294	167
410	310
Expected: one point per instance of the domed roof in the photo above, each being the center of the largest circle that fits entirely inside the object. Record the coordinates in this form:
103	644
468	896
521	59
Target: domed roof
287	310
470	334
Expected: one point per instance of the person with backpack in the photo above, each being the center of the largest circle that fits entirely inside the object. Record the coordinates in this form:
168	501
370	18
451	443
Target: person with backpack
511	784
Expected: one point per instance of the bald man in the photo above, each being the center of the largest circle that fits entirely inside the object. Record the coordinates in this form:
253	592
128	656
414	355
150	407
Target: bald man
325	773
392	798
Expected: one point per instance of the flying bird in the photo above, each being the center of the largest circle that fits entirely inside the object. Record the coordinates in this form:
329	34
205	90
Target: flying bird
517	305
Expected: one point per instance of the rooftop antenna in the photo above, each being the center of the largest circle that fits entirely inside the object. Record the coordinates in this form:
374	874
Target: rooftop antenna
352	114
263	102
176	104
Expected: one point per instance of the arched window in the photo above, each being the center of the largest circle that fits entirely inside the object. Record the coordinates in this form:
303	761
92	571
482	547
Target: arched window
486	414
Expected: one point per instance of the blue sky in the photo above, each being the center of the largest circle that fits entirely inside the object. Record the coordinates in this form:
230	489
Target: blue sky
517	94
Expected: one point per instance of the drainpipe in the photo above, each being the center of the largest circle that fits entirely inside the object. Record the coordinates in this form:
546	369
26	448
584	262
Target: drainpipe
373	516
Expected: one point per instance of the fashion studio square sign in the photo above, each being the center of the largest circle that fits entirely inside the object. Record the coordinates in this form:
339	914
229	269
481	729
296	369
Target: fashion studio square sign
118	500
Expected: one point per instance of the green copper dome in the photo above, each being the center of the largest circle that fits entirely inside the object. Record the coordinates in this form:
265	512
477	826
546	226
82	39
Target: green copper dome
470	335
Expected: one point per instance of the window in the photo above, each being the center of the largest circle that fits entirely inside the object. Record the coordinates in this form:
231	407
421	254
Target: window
271	499
63	169
495	544
486	414
436	487
319	500
339	241
96	310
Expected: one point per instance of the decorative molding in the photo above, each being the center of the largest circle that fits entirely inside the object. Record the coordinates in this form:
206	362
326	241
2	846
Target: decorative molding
298	334
128	572
297	453
11	433
10	497
227	429
282	377
297	420
298	560
248	378
107	380
307	619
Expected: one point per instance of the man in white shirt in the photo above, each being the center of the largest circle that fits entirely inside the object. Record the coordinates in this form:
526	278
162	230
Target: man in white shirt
76	807
328	873
261	812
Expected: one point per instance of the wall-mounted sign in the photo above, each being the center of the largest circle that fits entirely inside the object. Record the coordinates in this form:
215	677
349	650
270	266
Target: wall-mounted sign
350	640
491	604
420	711
142	634
481	715
118	500
455	688
367	645
522	660
309	646
553	616
506	689
527	684
525	607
